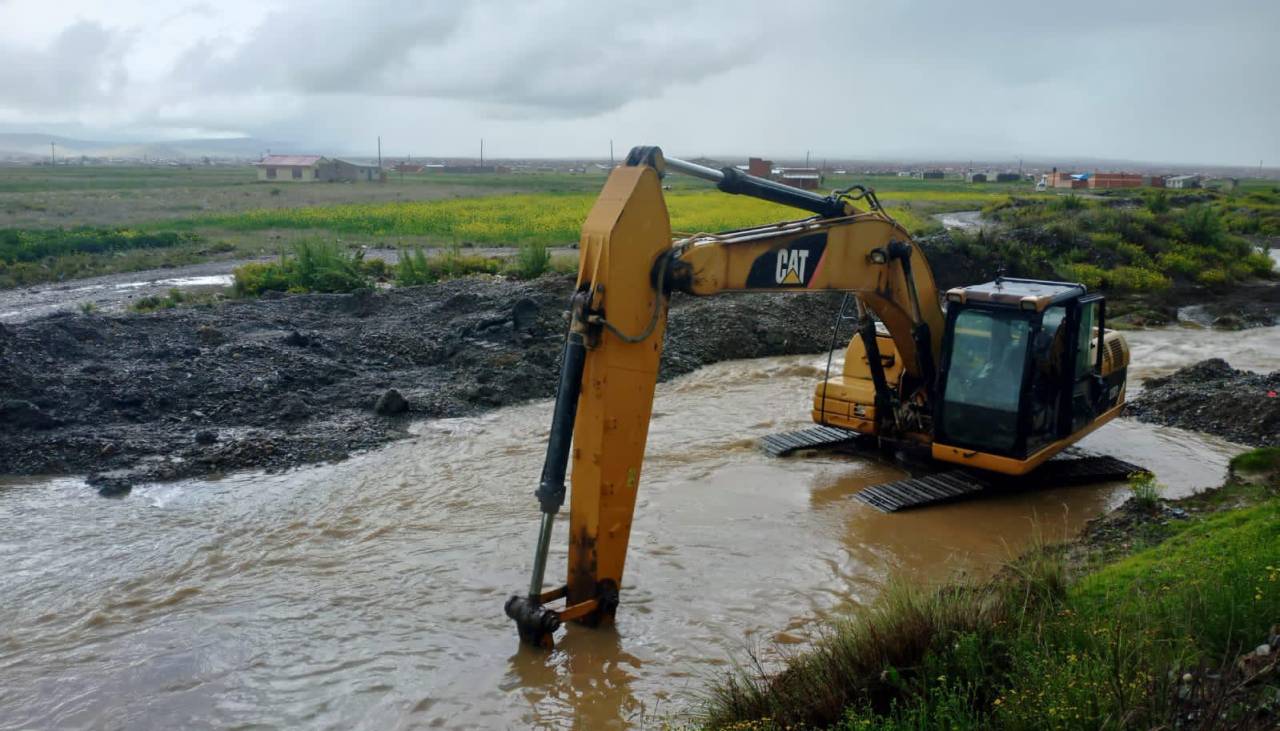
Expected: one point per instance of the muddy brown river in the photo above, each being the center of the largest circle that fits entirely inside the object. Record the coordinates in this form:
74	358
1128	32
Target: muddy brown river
369	593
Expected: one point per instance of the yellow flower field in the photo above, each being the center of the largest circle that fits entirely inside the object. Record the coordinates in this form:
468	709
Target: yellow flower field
514	219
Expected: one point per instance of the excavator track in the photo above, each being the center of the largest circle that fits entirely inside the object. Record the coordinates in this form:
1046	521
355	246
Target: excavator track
938	487
817	437
929	487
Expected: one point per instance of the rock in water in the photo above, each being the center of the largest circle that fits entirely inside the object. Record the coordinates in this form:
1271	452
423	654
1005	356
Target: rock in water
524	315
391	403
206	436
110	486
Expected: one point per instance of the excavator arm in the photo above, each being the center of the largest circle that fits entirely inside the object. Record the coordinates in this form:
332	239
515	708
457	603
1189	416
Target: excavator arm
628	265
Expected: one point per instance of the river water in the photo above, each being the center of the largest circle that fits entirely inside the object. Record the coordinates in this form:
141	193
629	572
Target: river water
369	593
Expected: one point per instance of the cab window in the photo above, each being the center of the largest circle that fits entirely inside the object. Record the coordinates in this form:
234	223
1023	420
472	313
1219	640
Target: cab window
984	379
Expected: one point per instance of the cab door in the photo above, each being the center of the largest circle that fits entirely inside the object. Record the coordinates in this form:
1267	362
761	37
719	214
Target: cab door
1086	329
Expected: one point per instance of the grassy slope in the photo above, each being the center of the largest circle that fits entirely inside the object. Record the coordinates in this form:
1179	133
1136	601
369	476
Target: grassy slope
1136	642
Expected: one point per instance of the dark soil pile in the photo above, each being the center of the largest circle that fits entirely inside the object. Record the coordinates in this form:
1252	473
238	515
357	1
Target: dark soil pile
1213	397
279	382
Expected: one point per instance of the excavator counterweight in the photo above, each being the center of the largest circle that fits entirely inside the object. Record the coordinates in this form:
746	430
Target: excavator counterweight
1008	375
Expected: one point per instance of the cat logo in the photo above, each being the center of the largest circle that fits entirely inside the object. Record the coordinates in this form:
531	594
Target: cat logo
791	266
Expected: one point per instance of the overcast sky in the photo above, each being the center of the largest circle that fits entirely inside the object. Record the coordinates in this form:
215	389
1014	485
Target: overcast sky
1166	80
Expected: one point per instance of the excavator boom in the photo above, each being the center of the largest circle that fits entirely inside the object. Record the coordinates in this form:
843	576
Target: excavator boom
628	266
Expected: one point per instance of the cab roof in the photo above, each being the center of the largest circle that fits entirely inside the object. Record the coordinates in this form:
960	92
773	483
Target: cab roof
1025	294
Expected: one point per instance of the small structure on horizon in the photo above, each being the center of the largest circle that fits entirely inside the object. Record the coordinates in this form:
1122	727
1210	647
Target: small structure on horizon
1182	181
290	168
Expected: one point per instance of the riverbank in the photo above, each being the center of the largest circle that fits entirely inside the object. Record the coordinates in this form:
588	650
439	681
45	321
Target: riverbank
288	380
1160	615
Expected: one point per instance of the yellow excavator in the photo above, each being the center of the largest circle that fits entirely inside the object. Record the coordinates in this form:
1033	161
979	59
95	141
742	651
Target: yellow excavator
1007	376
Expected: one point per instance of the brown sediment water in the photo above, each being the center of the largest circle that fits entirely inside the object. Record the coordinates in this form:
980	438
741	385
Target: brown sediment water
369	593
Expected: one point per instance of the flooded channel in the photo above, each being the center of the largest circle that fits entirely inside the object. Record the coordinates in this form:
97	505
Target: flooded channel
369	593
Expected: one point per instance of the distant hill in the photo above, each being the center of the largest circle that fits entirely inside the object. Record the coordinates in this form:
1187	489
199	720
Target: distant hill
27	145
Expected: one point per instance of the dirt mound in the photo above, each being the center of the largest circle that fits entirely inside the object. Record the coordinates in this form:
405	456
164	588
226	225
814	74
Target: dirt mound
279	382
1213	397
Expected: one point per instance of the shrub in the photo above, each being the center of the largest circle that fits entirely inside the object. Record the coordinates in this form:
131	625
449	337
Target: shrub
417	268
413	269
1135	279
312	266
1090	275
1214	277
1157	202
88	308
1202	225
1069	202
154	302
1259	264
1179	263
1145	490
532	260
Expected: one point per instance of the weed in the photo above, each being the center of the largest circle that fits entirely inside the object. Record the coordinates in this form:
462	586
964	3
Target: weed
88	308
415	267
311	266
1145	490
532	260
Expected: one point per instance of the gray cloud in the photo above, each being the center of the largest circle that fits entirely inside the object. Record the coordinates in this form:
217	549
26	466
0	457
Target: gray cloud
81	65
1176	80
543	57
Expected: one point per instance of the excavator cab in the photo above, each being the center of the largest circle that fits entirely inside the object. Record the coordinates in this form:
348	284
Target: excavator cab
1026	367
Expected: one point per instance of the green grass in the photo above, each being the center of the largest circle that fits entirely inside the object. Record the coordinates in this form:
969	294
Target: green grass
49	255
1033	649
1262	459
121	177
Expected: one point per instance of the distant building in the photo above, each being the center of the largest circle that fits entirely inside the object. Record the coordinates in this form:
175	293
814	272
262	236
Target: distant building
805	178
759	167
408	167
1008	177
290	168
1068	180
1182	181
1115	180
933	175
346	171
975	177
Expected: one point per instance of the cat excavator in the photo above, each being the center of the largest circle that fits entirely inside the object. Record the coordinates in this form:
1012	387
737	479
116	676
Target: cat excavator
993	379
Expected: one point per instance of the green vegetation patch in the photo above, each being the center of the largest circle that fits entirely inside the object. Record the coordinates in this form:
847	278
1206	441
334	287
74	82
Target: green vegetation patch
1262	459
44	255
1146	243
1139	643
311	266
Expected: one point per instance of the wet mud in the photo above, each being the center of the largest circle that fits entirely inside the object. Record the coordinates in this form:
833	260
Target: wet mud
275	383
1211	396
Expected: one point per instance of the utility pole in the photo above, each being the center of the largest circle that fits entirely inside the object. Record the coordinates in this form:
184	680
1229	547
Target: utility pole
611	156
379	152
481	152
806	158
53	154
